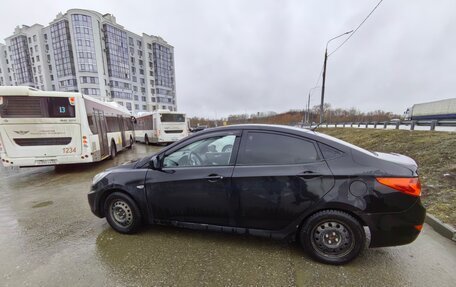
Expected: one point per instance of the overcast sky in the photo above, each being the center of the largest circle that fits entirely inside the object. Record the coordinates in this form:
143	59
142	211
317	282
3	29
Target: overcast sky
247	56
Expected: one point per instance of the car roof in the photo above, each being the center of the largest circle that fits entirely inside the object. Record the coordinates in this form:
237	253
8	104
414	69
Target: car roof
278	128
312	135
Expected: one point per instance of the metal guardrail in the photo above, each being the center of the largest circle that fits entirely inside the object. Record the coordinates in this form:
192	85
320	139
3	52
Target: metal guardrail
430	125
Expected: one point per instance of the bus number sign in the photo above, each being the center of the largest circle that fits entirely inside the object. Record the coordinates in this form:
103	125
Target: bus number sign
69	150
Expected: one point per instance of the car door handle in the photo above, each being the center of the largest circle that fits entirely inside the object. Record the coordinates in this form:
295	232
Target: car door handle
214	177
309	173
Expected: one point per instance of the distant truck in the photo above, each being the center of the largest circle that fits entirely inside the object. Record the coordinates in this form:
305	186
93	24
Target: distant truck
437	110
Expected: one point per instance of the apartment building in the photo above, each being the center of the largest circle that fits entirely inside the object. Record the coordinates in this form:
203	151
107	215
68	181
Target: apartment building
89	52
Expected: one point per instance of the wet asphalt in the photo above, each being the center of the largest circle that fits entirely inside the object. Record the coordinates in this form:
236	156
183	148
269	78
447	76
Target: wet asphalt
49	237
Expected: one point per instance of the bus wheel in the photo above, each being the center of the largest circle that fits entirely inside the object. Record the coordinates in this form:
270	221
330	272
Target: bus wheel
146	140
131	143
113	150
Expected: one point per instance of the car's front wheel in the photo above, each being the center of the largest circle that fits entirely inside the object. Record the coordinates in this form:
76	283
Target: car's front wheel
332	237
122	213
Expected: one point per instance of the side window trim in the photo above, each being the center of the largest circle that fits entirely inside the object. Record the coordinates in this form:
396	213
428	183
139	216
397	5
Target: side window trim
243	144
236	133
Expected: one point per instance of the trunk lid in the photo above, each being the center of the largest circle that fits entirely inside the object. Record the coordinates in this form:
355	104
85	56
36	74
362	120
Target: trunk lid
398	159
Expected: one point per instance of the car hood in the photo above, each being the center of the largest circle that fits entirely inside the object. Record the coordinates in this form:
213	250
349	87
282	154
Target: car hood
398	159
126	165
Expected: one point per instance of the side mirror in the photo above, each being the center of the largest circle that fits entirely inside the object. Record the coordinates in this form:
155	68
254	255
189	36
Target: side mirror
154	163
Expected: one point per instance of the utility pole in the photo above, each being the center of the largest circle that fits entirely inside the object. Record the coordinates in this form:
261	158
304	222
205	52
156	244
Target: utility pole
324	75
323	85
306	114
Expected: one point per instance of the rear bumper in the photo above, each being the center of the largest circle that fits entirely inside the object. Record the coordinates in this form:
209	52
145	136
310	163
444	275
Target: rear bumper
398	228
44	161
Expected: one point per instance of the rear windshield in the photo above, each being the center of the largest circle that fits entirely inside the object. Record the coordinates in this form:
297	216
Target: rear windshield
339	141
172	118
36	107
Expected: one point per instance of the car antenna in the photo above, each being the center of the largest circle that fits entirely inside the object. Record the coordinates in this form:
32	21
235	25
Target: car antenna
317	126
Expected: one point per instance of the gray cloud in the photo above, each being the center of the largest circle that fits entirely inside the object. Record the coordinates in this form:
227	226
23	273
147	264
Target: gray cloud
246	56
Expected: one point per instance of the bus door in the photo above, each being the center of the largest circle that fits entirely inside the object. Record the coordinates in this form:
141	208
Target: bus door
120	119
156	127
100	122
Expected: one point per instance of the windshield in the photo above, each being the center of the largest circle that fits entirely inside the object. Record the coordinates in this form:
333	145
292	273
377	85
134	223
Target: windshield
168	118
36	107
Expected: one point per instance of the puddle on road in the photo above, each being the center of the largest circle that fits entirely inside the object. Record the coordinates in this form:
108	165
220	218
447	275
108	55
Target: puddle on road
43	204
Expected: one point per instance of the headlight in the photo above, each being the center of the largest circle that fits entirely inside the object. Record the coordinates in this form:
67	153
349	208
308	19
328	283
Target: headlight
99	177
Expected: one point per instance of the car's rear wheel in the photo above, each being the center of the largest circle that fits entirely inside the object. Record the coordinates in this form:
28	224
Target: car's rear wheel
122	213
332	237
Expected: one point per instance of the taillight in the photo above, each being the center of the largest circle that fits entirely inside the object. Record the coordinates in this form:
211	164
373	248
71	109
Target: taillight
84	141
407	185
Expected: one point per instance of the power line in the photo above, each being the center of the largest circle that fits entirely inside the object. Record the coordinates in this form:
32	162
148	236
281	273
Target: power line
359	26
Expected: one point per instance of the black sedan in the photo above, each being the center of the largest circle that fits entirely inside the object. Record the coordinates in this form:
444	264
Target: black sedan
274	181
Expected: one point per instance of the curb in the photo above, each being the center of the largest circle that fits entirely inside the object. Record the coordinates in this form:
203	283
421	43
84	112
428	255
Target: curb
442	228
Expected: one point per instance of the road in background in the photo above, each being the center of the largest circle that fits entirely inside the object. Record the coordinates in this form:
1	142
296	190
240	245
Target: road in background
49	237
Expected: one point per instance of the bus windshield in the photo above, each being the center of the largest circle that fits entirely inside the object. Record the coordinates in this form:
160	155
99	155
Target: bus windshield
36	107
167	118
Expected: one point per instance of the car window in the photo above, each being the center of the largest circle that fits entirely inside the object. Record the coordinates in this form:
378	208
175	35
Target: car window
267	148
214	151
329	152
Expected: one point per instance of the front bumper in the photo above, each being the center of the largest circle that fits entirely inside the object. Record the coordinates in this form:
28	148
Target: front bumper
94	199
398	228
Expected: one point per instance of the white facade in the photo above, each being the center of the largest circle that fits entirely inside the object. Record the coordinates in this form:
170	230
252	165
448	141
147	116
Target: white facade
86	51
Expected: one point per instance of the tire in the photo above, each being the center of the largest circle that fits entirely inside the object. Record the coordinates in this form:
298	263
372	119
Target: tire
332	237
131	143
113	150
122	213
146	140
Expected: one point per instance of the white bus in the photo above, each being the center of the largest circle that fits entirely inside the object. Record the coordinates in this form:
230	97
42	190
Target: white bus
39	128
162	126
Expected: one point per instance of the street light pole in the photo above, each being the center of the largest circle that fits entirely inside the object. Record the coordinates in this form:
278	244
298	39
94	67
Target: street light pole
306	117
324	74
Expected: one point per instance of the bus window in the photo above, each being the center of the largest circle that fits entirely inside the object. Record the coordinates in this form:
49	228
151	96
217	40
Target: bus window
172	118
37	107
113	124
92	126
